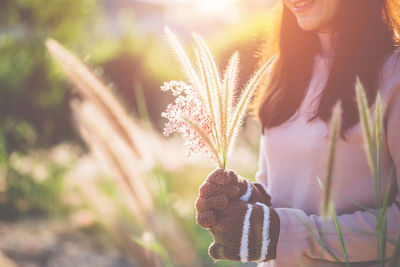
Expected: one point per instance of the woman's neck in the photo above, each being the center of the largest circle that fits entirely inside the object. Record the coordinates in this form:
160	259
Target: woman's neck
325	39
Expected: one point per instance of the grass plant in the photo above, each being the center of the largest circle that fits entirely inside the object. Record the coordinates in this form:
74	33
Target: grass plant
214	96
328	207
372	132
118	142
372	127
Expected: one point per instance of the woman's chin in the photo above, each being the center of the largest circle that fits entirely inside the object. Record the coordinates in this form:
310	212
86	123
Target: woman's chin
309	25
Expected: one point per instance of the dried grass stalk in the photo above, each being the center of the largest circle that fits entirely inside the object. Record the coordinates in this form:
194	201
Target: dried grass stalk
90	87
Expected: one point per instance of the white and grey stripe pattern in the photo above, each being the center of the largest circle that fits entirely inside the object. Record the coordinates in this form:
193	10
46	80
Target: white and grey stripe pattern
265	232
247	195
244	243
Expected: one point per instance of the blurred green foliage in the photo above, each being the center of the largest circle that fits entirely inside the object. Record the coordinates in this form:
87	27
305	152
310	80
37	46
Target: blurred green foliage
33	103
25	194
31	184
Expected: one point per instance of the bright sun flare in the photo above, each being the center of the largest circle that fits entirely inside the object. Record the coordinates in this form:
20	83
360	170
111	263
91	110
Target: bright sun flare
212	7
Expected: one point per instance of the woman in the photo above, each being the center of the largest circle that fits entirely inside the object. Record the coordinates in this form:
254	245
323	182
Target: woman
324	46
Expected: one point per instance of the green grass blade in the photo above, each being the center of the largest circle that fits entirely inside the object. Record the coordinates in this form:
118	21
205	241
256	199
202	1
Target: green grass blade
320	241
360	206
378	144
340	234
381	224
382	220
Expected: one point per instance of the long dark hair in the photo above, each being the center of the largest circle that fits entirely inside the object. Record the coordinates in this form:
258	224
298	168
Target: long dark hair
365	33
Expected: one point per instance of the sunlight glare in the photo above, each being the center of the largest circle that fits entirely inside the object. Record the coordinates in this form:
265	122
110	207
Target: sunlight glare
212	7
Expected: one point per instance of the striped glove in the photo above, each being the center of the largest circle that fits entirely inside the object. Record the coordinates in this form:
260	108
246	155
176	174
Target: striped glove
222	182
238	215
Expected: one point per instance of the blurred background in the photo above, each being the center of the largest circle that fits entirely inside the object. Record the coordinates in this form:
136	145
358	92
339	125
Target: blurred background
86	176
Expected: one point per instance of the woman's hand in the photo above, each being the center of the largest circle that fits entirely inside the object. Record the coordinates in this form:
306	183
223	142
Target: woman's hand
243	232
243	228
234	186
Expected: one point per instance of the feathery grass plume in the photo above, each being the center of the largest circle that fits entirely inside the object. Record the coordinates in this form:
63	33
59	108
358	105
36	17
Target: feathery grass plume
372	127
101	136
104	140
89	86
215	84
188	108
208	88
372	131
110	142
229	85
213	126
366	123
203	135
241	108
103	207
334	133
184	60
328	207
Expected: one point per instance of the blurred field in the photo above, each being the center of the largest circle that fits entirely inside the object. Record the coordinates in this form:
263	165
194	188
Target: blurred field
86	177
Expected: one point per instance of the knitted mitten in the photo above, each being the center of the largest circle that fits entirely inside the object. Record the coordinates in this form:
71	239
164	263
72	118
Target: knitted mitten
243	231
228	182
237	212
222	185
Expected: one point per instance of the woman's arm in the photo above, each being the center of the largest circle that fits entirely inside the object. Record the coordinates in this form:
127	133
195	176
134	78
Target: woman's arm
358	230
359	227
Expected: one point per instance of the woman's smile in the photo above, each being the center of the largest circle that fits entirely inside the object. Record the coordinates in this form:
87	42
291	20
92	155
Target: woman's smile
302	5
314	15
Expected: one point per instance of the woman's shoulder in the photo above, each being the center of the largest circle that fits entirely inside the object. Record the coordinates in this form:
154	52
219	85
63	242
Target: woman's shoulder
389	83
390	75
392	61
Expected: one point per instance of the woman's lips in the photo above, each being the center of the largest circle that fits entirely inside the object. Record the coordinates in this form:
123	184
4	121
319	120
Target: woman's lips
302	5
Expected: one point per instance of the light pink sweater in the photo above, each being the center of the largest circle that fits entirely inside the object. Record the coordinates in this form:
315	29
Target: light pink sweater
293	154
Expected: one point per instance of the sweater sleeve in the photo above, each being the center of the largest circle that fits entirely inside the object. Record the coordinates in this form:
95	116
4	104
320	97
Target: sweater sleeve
358	228
261	174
